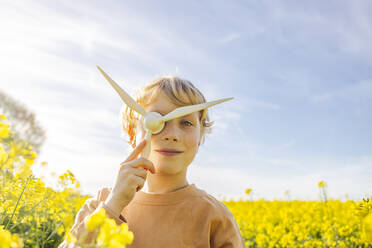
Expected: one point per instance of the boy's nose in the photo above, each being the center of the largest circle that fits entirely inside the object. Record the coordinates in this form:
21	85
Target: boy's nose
173	138
170	132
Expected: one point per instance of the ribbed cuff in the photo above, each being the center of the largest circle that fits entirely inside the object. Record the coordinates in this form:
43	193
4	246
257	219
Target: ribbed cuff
119	219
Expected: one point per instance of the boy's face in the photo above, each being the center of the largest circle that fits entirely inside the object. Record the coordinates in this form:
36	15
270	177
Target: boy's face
175	147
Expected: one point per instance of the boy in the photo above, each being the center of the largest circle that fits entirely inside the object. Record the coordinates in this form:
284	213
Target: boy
168	212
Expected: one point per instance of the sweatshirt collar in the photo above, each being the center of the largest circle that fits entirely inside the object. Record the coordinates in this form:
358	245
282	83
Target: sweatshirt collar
165	198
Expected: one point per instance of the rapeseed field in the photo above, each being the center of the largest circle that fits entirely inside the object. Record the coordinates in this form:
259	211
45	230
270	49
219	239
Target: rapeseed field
301	223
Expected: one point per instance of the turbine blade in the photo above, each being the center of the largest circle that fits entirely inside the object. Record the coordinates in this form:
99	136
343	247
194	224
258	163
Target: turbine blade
182	111
147	149
128	100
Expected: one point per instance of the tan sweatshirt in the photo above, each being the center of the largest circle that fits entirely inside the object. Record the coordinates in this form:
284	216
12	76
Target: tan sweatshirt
188	217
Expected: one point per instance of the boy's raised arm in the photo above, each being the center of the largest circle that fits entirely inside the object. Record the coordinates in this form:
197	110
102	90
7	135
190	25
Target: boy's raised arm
130	179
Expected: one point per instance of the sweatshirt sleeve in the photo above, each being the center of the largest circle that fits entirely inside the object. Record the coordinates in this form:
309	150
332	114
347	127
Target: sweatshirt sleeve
225	232
90	207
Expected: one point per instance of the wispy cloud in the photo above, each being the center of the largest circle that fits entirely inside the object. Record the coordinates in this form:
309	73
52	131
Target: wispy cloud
230	37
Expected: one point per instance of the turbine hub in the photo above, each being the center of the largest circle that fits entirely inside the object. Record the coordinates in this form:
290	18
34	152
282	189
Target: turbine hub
153	122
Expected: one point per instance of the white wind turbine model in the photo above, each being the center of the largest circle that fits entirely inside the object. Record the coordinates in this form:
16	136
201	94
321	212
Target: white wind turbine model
153	121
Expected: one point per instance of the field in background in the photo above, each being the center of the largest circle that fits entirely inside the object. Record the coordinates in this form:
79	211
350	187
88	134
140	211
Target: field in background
299	223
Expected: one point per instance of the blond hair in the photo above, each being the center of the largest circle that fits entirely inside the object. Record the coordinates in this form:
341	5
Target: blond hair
180	92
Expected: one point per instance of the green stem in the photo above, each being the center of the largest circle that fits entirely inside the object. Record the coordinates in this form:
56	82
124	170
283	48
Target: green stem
19	198
54	231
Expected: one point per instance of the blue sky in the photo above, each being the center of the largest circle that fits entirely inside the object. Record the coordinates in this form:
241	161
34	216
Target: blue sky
300	73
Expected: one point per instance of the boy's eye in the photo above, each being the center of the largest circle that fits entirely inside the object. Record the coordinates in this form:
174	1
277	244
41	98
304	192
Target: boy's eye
186	123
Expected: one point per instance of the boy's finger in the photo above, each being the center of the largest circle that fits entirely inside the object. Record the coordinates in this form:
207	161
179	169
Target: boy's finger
140	173
141	163
137	151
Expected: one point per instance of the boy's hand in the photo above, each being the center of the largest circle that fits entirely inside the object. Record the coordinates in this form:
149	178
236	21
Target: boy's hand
130	179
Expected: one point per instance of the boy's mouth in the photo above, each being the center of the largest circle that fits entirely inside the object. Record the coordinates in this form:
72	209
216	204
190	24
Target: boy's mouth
168	152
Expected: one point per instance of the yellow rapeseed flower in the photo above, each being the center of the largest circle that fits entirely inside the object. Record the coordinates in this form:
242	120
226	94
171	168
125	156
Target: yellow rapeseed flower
8	240
321	184
4	130
5	238
29	161
96	219
367	228
364	208
110	234
33	155
248	191
71	238
3	155
113	235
